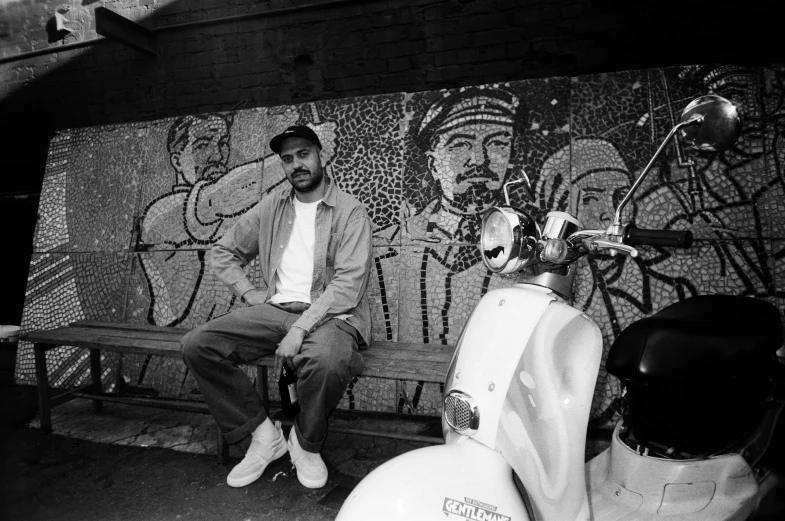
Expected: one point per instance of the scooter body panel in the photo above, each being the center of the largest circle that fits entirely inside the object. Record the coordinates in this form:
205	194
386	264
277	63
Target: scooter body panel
624	485
542	430
534	390
462	481
489	350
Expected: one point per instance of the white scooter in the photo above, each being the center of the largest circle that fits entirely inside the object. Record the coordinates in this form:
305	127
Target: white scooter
702	391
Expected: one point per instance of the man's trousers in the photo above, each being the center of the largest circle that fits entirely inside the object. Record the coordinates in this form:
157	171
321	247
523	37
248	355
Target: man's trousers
326	363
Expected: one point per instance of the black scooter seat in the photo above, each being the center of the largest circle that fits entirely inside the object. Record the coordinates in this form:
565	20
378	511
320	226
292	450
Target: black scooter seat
698	372
704	338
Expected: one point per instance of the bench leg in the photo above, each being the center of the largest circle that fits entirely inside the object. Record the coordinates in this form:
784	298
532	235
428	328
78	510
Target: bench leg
42	375
223	446
95	375
261	386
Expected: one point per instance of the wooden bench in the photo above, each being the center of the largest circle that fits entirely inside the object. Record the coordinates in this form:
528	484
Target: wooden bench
389	360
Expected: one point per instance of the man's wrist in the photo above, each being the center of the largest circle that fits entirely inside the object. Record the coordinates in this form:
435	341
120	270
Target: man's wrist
298	331
242	286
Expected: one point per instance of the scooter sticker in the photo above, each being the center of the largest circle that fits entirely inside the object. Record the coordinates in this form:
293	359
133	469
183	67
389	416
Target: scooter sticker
472	510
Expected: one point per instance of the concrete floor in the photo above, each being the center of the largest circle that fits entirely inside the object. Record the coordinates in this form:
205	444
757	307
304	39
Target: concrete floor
136	463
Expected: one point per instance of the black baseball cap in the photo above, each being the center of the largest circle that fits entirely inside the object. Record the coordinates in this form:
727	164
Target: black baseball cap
294	131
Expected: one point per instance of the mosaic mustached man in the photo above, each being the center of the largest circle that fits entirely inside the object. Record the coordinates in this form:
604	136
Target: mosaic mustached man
313	242
467	139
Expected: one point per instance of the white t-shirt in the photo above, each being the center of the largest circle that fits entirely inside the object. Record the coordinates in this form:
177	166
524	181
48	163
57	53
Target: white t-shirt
294	276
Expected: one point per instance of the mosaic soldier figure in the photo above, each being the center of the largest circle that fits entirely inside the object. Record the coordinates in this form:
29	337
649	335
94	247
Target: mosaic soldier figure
206	199
196	211
313	242
616	290
468	139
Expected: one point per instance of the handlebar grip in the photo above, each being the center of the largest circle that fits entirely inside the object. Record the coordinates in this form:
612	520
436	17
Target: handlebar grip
672	238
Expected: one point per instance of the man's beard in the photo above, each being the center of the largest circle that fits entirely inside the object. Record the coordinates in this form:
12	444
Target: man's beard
314	180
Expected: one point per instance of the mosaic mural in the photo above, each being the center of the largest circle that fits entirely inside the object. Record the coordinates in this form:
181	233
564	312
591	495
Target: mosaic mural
128	213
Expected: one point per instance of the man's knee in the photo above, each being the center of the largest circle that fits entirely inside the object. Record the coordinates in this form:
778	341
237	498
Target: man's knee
192	346
336	355
325	363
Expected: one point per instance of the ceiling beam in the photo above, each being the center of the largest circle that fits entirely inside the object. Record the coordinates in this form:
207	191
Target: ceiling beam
112	25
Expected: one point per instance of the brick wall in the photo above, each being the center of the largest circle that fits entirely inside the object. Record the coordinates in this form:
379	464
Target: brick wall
328	49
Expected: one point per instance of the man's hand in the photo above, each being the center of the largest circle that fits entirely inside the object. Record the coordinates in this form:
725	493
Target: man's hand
289	346
254	297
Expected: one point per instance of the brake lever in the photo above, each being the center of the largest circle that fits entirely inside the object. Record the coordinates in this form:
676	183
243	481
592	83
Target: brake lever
614	247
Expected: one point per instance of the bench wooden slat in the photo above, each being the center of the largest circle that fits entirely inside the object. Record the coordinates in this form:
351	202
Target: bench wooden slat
113	337
383	359
423	355
167	333
132	327
136	346
428	373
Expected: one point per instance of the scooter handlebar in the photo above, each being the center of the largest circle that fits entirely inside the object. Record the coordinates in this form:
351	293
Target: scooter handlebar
673	238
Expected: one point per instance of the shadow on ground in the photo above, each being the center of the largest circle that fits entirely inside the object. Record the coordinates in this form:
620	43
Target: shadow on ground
48	477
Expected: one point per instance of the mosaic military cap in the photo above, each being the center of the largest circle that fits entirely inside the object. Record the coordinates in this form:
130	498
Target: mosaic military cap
471	105
294	131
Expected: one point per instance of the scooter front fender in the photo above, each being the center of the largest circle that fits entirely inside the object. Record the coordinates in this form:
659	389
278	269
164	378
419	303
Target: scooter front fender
462	481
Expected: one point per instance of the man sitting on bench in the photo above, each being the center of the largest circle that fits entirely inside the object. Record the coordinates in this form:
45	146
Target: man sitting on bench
313	242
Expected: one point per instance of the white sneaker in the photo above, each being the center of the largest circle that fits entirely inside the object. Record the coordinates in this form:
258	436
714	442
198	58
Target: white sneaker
311	470
261	452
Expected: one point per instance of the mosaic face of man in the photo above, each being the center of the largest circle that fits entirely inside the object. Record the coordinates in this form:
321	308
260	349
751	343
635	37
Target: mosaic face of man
205	151
470	162
600	193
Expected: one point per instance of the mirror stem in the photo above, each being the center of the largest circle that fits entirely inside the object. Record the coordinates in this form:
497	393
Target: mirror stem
695	120
524	179
507	190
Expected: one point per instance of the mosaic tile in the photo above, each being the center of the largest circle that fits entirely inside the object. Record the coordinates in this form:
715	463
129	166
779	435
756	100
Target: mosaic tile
98	205
420	398
722	194
615	291
173	288
178	288
64	288
778	259
440	292
51	229
425	165
157	376
463	145
384	293
616	107
365	137
613	139
203	172
773	216
371	394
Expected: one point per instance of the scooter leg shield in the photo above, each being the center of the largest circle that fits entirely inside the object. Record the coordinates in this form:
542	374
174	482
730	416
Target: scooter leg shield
460	481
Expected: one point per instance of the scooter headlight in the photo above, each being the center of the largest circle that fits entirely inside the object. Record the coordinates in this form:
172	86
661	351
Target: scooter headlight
461	412
508	239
